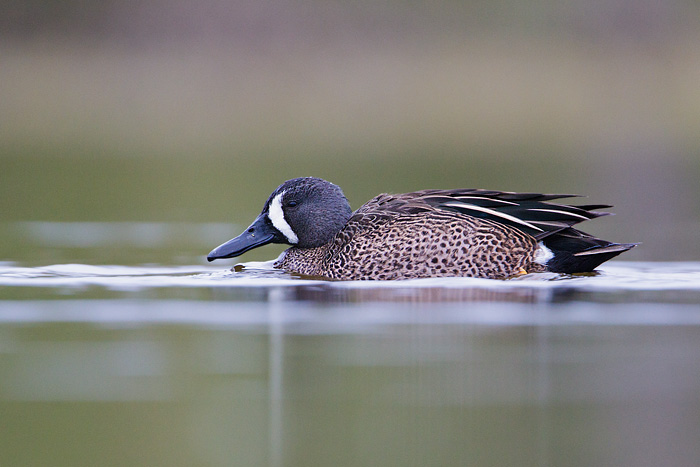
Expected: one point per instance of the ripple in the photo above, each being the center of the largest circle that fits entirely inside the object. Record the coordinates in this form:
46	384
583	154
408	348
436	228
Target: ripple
615	277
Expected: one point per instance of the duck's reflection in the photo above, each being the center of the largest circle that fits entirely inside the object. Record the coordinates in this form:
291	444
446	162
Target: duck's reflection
409	294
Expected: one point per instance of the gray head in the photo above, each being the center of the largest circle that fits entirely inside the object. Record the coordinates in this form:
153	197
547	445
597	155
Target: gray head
304	212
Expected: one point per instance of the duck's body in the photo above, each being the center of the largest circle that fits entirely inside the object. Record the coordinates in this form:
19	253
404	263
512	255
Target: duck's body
402	237
430	233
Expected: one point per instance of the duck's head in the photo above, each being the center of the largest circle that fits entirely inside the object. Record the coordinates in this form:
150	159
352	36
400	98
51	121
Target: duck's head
303	212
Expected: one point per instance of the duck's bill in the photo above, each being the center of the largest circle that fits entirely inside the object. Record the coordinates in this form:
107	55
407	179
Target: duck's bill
258	234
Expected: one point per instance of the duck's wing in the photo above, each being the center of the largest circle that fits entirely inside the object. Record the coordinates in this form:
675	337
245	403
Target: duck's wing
532	213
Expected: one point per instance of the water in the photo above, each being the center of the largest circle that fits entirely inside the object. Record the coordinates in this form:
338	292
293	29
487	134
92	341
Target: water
200	365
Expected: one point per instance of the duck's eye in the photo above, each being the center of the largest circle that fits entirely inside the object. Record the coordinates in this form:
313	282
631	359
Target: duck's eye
291	204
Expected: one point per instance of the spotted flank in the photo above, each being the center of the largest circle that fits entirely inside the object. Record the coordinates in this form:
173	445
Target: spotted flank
429	233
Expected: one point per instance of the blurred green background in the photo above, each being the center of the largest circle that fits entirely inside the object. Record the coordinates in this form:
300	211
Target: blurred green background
191	113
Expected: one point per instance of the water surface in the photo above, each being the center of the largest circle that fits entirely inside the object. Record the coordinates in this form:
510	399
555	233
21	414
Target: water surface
200	365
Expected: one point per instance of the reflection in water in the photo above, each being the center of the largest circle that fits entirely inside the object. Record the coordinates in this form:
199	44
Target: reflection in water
415	295
305	383
198	366
617	281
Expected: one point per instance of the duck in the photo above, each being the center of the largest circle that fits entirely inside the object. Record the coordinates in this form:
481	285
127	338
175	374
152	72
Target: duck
423	234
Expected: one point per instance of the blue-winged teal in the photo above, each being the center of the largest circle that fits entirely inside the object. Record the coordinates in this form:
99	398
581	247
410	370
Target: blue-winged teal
429	233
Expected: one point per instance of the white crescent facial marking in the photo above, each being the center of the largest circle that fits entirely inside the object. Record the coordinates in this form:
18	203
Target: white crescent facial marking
276	215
